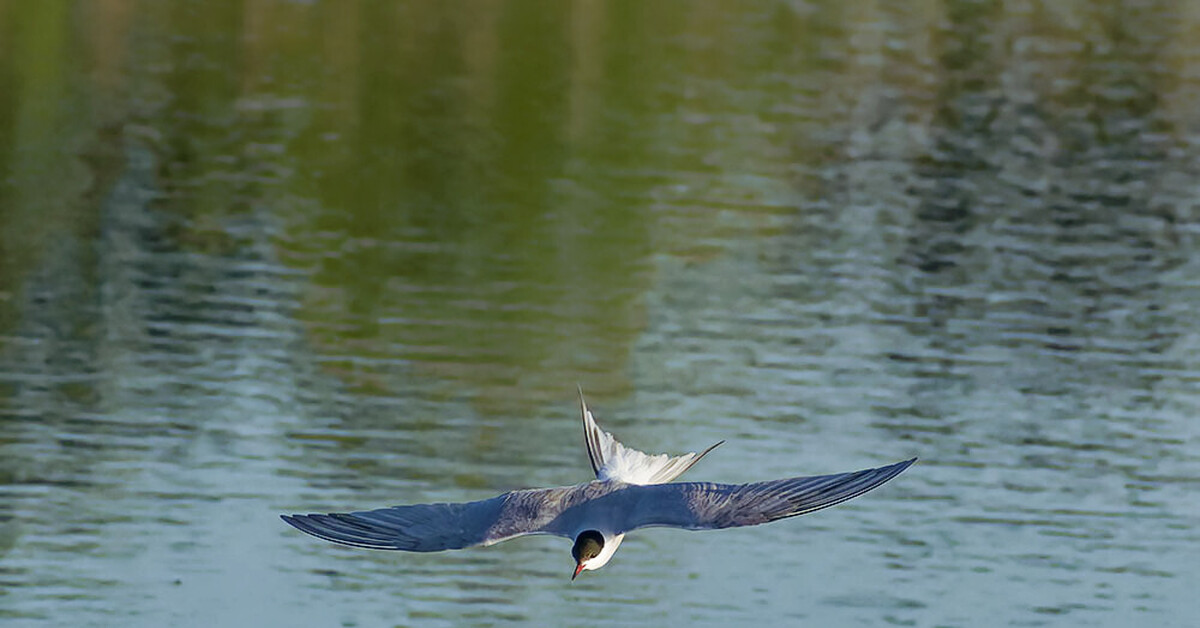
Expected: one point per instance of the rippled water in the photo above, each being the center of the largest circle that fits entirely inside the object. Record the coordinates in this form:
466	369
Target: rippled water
273	257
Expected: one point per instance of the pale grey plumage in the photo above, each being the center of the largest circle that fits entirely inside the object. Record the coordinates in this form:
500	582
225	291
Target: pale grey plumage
631	491
566	511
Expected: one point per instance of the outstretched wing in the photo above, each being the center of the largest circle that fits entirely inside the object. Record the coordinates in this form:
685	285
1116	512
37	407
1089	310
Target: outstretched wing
613	461
705	506
436	527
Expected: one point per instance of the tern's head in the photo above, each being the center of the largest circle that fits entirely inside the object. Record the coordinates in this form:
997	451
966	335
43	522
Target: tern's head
589	546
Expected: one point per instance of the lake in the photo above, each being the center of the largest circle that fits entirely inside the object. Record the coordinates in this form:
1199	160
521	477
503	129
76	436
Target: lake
263	257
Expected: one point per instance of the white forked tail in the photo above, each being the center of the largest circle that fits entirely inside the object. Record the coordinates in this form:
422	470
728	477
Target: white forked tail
613	461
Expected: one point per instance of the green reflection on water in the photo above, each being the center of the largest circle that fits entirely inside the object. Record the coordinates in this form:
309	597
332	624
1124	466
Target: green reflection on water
482	194
931	213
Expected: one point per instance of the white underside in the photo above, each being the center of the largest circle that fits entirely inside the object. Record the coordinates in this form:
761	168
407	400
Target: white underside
615	461
611	543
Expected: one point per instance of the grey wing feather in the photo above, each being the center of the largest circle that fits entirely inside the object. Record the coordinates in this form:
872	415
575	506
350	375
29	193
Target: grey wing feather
706	506
436	527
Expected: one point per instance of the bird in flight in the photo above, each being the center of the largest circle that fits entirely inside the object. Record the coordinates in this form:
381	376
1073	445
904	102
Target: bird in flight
632	490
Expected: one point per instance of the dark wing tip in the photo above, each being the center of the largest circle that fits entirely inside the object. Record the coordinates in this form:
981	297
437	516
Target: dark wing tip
847	486
343	529
294	521
705	452
696	458
591	436
769	501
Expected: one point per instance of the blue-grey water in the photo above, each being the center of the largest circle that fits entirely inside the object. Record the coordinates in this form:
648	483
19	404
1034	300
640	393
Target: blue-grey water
263	256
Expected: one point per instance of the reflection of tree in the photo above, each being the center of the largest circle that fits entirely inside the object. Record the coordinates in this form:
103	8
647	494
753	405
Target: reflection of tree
992	199
485	177
472	243
40	179
1045	207
1061	166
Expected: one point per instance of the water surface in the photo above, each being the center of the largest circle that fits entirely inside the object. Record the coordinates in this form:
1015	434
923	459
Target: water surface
269	257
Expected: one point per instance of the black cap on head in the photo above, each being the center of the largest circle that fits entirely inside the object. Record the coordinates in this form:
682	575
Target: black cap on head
587	546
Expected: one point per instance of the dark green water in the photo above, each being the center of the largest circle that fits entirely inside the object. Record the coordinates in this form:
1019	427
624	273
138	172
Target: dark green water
262	257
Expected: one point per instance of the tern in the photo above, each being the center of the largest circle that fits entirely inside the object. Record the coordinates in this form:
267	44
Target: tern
632	490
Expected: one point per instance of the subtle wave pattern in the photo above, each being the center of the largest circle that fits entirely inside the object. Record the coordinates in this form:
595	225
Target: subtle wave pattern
326	256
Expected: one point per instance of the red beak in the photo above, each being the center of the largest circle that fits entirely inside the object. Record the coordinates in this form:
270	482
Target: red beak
578	568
